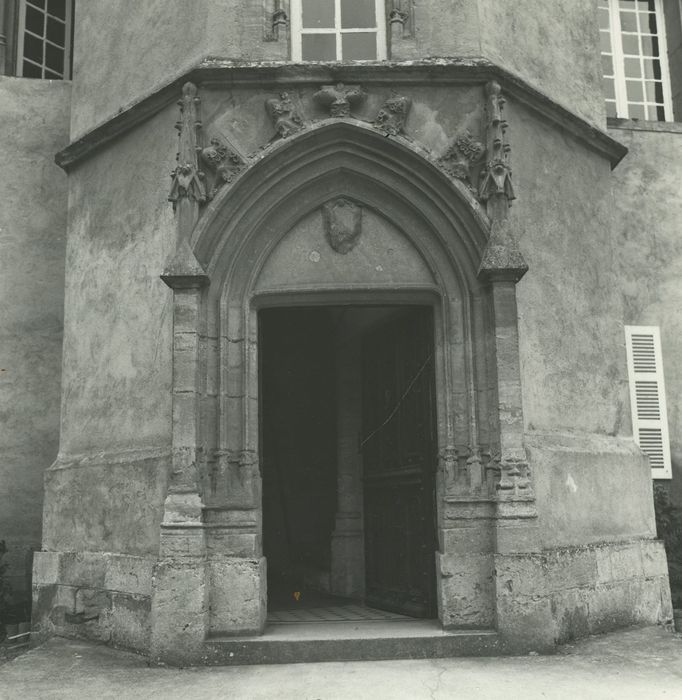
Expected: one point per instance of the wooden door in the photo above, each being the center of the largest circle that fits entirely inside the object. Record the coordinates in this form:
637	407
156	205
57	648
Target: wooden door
399	463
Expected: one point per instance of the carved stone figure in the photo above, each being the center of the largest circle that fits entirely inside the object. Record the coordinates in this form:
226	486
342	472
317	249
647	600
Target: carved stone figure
393	115
461	156
187	178
187	182
343	224
224	161
284	115
339	98
448	463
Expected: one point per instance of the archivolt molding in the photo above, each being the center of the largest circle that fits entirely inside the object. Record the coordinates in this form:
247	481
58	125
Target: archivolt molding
342	150
376	166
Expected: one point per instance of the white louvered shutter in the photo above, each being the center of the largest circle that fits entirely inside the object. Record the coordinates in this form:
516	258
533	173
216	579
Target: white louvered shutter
647	397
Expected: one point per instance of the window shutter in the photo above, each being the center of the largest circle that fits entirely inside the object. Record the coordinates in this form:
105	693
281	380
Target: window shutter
647	397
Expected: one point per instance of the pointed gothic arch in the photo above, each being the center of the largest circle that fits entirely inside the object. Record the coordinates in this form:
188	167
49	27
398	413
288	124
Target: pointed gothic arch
216	348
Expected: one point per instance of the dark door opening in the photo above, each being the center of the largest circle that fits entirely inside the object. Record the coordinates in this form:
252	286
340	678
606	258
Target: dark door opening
399	463
309	457
298	449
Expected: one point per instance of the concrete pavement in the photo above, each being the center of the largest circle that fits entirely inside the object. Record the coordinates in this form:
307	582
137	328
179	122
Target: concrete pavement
636	663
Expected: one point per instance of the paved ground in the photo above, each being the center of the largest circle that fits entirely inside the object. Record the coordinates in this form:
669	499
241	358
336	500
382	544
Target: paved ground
637	663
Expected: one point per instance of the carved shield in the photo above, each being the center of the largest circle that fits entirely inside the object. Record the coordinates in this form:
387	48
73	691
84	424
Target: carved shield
343	224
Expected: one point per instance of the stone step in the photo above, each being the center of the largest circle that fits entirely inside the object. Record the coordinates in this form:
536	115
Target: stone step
350	641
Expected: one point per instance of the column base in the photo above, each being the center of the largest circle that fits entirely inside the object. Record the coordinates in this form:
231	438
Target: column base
348	564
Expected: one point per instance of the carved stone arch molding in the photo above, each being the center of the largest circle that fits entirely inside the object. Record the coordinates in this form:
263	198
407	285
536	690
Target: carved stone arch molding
478	391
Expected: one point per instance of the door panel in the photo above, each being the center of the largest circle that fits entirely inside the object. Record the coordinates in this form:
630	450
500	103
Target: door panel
399	463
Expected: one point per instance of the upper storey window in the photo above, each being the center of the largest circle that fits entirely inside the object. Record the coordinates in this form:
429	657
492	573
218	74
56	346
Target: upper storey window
44	39
338	30
634	59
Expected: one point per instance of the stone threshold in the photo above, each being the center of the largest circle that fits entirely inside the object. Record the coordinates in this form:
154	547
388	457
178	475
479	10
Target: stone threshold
373	640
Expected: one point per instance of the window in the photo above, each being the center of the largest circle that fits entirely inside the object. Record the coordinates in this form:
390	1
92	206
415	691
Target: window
647	397
44	39
635	59
338	30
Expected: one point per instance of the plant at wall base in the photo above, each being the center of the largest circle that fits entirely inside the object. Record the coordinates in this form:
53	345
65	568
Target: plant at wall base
669	529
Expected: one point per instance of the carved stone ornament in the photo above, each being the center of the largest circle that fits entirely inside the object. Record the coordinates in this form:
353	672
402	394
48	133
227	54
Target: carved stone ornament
397	16
399	19
343	224
339	98
284	115
514	478
224	162
187	178
448	462
502	258
461	156
393	115
276	21
496	177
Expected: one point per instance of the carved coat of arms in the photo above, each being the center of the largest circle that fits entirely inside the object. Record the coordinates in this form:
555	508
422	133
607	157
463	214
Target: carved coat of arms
343	224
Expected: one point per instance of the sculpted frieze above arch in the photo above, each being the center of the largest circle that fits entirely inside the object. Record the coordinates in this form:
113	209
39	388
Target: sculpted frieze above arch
461	131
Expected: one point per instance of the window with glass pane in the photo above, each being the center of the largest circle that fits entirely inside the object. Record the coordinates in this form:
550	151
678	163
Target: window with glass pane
338	30
634	59
44	39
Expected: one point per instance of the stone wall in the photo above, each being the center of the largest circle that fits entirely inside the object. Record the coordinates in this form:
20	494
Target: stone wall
580	591
103	597
648	211
35	117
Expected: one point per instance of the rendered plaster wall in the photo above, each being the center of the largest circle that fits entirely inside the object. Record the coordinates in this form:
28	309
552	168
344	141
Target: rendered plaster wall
123	51
576	476
151	44
570	312
106	491
554	46
35	119
648	211
573	365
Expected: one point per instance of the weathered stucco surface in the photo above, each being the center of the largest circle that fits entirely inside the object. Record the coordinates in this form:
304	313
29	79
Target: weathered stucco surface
35	119
575	477
570	317
648	212
551	45
113	68
115	436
